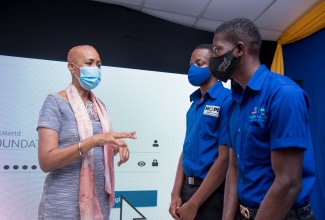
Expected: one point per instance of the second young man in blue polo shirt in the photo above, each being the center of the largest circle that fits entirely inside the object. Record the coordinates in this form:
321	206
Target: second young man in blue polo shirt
199	184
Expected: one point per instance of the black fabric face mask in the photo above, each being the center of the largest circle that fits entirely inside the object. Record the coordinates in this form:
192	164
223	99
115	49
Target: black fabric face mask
222	67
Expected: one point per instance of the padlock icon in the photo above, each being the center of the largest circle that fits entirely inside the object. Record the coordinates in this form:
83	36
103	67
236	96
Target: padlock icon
154	163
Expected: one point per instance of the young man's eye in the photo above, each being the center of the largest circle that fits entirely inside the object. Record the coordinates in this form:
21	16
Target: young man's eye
99	65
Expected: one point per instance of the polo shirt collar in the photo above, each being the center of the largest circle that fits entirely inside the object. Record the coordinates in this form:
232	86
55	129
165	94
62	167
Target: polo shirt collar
212	92
254	84
257	80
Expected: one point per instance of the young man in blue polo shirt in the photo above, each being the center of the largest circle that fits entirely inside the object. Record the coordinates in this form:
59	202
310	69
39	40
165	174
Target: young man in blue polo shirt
199	184
271	165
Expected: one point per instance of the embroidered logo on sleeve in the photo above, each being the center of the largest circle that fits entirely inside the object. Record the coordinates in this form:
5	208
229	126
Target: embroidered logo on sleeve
212	110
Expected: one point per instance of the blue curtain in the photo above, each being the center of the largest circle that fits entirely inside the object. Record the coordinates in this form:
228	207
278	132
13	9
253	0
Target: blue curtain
304	61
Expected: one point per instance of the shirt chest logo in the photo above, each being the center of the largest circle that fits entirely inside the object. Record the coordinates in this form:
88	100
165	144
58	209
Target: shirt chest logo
212	110
258	115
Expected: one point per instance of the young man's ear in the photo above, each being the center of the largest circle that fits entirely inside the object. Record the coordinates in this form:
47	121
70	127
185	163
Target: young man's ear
240	48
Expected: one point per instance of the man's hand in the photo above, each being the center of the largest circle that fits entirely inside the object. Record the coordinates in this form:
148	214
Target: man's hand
174	207
187	211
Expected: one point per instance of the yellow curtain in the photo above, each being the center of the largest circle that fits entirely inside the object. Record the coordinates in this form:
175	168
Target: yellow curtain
310	23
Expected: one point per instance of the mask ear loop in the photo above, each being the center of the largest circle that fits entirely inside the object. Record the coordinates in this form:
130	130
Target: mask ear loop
72	72
75	65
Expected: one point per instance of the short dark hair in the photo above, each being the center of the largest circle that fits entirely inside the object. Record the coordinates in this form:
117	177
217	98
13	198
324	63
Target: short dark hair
241	30
205	46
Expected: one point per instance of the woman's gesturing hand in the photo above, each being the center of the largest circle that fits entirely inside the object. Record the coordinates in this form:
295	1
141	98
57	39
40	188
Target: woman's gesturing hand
113	138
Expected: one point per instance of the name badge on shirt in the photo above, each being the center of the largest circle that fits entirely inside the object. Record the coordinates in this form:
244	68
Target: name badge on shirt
212	110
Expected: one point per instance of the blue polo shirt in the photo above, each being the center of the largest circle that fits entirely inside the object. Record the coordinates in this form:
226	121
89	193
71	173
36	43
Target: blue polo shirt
205	130
270	113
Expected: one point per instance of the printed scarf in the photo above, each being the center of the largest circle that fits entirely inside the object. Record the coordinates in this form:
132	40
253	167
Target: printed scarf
88	199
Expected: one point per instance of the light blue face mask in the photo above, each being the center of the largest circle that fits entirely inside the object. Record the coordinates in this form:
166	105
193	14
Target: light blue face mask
90	76
197	75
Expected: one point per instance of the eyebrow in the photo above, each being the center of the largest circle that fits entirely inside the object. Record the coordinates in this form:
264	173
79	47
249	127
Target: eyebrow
91	60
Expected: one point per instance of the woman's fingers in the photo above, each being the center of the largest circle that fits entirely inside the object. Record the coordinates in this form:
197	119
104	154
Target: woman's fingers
124	155
118	135
121	143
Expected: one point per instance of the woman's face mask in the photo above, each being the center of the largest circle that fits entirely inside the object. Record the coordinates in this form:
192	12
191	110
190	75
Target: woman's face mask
223	66
197	75
89	76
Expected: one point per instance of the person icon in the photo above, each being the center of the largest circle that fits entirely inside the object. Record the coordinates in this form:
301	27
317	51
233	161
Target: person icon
155	144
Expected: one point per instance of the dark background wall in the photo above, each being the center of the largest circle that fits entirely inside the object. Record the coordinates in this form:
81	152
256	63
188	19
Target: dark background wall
47	29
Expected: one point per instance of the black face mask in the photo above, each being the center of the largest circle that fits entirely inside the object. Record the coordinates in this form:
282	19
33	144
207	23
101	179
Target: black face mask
222	67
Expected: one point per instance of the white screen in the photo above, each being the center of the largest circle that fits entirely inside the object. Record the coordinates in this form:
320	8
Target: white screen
152	103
